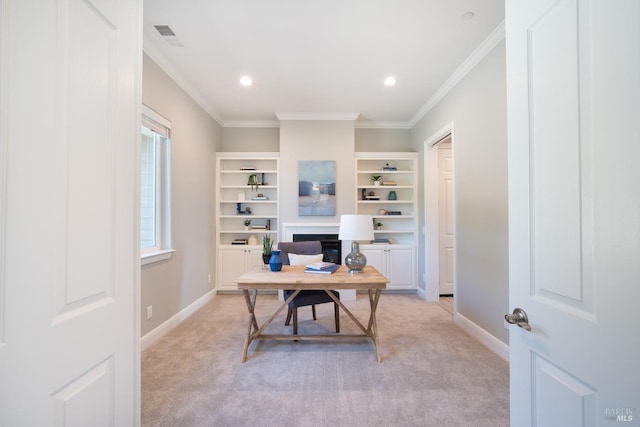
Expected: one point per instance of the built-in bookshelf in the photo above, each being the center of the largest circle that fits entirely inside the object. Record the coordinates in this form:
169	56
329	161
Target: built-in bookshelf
246	209
392	203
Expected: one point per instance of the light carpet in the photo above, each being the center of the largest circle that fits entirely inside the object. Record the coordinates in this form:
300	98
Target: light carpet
432	374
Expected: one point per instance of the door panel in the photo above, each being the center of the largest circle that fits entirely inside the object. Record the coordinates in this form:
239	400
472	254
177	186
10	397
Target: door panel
573	84
560	160
445	219
70	78
85	167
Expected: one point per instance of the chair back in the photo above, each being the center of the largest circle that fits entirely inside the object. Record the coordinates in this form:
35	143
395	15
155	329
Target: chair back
312	247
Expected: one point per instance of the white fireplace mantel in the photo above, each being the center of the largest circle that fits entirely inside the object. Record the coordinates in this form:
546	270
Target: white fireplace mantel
291	228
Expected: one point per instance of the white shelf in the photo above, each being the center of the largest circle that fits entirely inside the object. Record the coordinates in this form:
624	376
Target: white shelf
396	259
231	186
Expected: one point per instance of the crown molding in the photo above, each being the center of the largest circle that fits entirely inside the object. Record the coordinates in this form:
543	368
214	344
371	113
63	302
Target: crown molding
149	47
476	56
251	124
382	125
317	116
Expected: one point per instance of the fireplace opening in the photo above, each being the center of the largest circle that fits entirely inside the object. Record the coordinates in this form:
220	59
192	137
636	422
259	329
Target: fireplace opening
331	246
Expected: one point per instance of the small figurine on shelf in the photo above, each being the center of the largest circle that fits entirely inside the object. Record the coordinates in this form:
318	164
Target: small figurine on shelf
247	224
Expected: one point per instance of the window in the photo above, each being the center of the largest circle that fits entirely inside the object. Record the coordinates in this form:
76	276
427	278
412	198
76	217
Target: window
155	239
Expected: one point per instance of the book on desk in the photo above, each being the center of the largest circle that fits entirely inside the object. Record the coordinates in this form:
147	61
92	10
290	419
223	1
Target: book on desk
321	268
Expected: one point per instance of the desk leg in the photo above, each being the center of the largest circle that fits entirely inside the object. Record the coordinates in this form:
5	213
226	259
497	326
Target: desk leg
253	323
373	324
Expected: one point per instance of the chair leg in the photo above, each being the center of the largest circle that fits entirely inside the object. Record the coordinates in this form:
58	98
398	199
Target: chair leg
286	322
295	321
313	311
336	310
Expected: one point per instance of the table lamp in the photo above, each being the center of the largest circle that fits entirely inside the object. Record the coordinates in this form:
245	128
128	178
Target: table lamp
355	227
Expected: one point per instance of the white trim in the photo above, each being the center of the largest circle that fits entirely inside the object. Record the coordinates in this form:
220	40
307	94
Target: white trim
318	116
174	321
476	56
251	124
382	125
485	338
156	117
156	256
4	142
431	215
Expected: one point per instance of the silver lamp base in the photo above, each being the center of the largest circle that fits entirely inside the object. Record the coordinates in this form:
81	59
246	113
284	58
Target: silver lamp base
355	261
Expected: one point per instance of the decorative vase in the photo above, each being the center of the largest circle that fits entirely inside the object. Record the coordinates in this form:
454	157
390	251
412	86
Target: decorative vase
275	263
376	183
393	195
266	258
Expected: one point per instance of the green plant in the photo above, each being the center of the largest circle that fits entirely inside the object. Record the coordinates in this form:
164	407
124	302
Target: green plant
377	225
376	178
267	244
247	222
253	182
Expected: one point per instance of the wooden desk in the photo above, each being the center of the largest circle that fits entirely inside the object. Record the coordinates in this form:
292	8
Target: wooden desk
294	278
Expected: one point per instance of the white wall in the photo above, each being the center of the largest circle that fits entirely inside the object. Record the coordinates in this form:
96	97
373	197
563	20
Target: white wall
477	106
172	285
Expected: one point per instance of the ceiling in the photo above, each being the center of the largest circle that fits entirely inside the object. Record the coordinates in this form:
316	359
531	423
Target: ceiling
320	58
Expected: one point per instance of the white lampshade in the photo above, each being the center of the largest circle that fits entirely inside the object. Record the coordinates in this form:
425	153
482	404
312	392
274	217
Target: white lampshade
356	227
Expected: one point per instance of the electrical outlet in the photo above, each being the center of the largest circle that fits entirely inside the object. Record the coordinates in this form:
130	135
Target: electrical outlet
149	312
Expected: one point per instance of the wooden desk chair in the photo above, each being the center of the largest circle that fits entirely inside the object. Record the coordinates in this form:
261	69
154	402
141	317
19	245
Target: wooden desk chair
306	297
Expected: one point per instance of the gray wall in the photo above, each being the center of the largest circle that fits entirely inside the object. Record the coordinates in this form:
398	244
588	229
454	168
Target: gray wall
383	140
477	106
250	139
316	140
172	285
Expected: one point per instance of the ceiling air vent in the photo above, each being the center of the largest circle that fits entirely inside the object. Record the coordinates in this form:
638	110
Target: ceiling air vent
167	33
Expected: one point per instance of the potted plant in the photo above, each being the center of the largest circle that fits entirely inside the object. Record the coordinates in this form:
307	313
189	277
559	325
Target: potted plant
267	246
253	182
377	225
376	179
247	224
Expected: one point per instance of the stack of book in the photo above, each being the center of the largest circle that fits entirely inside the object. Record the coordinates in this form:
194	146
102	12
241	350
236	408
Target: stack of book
239	242
374	241
321	267
389	182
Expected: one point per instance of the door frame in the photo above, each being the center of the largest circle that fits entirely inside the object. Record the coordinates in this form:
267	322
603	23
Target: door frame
431	214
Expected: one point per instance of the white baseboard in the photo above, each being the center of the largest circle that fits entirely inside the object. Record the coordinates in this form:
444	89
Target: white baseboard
174	321
488	340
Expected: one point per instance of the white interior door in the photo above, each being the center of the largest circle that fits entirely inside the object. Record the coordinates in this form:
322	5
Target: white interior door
573	88
445	221
69	91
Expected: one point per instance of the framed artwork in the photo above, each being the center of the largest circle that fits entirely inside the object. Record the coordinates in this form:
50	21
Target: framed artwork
317	187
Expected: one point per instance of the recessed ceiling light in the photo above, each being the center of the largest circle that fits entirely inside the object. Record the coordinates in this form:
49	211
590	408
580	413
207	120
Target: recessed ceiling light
246	81
467	16
390	81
